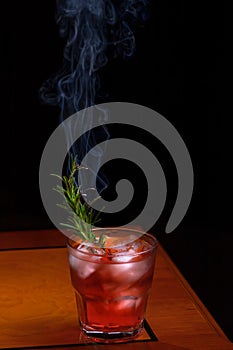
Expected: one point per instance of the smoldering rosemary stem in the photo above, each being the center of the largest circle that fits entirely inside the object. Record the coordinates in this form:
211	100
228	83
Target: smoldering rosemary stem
81	216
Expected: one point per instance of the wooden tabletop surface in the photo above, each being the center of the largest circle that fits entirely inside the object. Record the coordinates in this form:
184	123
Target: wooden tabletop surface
38	310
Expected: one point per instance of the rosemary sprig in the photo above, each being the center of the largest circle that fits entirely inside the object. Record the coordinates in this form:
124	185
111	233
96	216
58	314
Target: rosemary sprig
81	216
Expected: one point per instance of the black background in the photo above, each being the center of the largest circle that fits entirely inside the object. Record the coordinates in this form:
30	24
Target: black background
181	69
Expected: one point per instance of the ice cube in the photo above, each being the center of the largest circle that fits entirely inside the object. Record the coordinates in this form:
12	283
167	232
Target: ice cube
90	248
125	303
72	261
81	267
121	277
86	270
121	258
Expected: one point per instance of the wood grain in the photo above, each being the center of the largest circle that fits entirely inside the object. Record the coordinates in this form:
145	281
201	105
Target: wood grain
177	314
37	304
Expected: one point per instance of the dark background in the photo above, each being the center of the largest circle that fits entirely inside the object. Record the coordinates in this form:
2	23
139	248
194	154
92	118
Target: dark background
181	69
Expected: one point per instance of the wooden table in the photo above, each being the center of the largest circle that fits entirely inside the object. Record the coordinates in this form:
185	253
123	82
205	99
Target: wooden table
38	310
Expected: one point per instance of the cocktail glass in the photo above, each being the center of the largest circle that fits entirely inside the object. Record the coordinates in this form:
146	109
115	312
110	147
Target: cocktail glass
112	284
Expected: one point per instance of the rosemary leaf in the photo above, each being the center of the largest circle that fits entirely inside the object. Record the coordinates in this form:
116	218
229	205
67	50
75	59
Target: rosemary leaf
81	217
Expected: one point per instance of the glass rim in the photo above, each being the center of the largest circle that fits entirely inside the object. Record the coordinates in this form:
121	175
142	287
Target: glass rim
152	247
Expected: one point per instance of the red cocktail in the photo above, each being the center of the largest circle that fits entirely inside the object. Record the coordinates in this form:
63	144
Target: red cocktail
112	284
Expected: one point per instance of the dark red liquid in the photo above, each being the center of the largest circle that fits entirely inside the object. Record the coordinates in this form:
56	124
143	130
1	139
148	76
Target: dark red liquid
112	295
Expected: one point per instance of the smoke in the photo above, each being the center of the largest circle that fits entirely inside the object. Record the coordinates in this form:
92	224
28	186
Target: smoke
95	31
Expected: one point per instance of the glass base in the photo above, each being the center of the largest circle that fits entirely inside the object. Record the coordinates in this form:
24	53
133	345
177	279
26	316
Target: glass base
111	336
